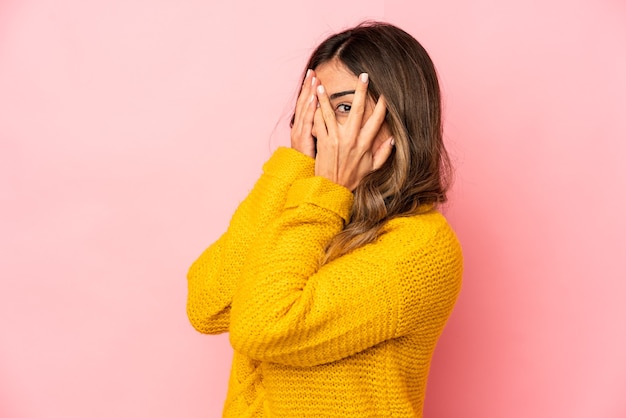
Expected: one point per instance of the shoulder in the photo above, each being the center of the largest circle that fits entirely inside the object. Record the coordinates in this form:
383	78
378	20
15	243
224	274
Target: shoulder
417	247
427	261
420	234
424	251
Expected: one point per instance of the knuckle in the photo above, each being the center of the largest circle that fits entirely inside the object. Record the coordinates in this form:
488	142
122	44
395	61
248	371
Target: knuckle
328	114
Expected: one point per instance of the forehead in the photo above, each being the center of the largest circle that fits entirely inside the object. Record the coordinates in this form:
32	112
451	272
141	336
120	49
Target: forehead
335	76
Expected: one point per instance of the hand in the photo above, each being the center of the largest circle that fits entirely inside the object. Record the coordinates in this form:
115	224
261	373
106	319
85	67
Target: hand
345	152
301	138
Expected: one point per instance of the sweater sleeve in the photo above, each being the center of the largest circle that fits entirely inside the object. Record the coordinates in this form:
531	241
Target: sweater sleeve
213	277
287	310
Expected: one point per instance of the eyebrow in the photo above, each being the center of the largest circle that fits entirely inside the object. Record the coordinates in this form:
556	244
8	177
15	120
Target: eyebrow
341	93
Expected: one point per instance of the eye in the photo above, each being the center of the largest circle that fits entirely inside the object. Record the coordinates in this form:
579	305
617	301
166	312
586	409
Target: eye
344	108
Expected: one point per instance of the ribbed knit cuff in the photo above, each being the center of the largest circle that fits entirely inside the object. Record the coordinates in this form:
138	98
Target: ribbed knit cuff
320	191
289	165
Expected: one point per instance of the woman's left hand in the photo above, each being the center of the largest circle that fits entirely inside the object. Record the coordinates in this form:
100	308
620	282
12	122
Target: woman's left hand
345	152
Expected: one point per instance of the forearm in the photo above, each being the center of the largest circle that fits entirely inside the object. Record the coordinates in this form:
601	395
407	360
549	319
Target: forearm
213	276
272	292
288	310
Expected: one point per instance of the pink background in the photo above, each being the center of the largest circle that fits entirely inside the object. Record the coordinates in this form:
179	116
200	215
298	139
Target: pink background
131	129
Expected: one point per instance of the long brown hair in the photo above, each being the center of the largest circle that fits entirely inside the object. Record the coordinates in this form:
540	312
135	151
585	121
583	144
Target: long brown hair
415	177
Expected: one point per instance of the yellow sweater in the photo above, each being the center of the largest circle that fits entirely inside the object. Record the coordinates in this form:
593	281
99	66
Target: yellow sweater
353	338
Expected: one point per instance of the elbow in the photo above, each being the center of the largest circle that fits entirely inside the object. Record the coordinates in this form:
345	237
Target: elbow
258	340
215	324
259	343
198	325
265	343
247	340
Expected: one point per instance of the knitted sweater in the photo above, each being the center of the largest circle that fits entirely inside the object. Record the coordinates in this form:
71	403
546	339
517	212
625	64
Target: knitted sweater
353	338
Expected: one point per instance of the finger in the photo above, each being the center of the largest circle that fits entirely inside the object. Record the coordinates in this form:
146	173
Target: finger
301	128
326	111
355	118
375	121
382	153
312	98
305	92
320	126
308	115
304	105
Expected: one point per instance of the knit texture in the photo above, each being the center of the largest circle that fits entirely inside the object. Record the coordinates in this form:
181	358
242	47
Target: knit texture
353	338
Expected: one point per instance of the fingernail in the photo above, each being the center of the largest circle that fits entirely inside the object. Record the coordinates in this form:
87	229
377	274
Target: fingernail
393	142
308	73
313	80
320	89
364	77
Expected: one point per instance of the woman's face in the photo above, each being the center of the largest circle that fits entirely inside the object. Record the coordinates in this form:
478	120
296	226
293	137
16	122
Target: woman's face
340	83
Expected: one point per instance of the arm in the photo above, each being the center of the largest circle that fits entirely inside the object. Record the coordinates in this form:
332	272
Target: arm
288	311
213	276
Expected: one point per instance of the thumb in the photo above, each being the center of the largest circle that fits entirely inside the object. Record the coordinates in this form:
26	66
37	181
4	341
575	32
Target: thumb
382	153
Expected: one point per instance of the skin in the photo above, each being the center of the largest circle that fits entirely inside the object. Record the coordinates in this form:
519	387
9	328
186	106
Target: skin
352	138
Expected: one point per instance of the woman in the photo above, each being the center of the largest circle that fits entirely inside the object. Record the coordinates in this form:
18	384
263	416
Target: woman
337	273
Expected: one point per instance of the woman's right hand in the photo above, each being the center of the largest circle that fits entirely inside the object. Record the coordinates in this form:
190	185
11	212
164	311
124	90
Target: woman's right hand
301	137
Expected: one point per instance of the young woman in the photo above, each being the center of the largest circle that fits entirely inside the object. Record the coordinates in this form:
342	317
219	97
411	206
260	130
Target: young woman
337	273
